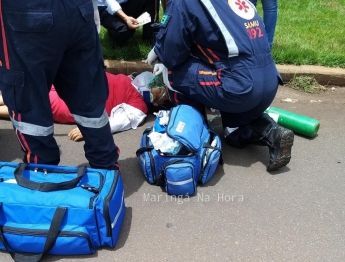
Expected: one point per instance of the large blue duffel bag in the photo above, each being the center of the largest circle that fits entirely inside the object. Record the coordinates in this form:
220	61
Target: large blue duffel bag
60	210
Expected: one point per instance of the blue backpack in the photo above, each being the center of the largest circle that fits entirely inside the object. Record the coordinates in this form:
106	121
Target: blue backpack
195	162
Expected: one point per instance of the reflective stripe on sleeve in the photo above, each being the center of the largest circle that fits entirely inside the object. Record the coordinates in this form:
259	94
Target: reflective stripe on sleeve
92	122
229	40
31	129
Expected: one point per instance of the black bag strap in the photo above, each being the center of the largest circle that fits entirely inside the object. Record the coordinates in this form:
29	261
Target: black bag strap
52	235
208	145
221	160
146	148
147	129
143	149
174	161
160	182
46	186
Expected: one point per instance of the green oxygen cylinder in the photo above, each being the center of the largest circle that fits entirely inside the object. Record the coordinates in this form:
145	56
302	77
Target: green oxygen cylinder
299	124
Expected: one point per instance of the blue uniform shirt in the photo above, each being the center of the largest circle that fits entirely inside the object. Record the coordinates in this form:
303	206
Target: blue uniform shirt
215	31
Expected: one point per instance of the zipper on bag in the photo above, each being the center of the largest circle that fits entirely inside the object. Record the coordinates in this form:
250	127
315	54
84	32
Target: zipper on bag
107	202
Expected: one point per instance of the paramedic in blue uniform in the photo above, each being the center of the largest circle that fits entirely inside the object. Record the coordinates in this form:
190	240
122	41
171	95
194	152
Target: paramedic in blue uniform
54	42
217	55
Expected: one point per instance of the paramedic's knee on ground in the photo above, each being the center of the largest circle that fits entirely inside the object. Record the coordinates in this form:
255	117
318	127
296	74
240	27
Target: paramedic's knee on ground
236	76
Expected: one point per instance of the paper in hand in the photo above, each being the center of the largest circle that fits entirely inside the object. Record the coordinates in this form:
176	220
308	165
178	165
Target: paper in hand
144	19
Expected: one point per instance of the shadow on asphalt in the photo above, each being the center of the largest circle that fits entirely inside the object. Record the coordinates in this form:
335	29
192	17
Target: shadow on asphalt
248	156
126	228
10	149
132	175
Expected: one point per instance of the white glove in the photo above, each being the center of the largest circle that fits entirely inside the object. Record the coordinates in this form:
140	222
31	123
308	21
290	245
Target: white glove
97	20
158	69
151	57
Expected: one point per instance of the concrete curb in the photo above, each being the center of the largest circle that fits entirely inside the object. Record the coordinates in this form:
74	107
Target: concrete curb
324	75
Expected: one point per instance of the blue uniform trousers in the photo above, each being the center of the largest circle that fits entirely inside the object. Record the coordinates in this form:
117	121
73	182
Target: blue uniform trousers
219	89
54	42
239	104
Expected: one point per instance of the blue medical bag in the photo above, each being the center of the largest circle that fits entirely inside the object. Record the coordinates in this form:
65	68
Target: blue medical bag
195	163
60	210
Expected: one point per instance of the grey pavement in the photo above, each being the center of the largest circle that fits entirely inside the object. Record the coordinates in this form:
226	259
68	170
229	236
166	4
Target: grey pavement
244	213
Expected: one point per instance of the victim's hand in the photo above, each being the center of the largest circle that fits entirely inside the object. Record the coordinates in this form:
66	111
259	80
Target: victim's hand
75	134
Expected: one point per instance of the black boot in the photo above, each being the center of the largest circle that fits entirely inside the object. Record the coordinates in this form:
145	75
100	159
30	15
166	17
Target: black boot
278	139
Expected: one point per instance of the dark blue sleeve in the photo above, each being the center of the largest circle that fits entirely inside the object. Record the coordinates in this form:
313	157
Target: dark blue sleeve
175	36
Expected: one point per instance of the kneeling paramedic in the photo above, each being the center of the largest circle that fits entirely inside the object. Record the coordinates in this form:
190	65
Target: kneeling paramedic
54	42
215	53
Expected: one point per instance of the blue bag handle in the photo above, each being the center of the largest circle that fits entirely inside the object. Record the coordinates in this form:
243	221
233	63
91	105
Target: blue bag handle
52	235
46	186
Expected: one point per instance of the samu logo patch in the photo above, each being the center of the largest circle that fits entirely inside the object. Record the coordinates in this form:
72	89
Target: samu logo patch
165	19
242	8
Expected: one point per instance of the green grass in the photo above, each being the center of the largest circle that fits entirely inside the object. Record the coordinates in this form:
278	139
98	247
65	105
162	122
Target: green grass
309	32
134	49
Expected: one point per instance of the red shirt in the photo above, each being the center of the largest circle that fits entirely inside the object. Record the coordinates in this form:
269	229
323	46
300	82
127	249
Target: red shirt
121	90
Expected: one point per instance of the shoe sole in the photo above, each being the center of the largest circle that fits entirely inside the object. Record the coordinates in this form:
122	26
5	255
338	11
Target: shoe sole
284	157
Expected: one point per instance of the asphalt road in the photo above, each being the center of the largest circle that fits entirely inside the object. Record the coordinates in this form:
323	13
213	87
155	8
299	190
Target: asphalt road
244	213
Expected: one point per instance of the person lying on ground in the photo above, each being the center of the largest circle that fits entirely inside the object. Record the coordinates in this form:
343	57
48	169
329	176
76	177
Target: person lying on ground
125	107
